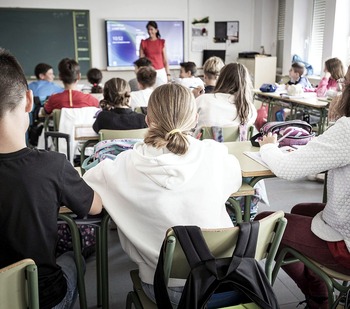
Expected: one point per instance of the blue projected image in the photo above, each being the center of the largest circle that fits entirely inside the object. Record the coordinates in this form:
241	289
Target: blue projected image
123	40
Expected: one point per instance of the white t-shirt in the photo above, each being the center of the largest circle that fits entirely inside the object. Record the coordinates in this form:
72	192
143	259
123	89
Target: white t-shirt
140	98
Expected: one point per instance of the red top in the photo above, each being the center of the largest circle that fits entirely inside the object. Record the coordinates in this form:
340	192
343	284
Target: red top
69	99
340	252
153	50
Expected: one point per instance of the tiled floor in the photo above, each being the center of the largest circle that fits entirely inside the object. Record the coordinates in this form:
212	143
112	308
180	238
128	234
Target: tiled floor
282	195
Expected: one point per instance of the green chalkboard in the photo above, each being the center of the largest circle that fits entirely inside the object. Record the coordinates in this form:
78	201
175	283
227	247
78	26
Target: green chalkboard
46	35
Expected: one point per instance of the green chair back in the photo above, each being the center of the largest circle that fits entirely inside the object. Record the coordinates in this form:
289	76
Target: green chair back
114	134
19	285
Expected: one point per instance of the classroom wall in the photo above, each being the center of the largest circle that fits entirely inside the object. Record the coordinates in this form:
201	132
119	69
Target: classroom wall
257	22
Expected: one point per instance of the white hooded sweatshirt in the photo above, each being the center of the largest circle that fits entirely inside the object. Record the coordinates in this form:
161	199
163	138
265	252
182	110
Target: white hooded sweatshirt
148	190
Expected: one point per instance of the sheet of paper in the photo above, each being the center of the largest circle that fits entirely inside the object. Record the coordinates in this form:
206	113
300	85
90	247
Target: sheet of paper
257	157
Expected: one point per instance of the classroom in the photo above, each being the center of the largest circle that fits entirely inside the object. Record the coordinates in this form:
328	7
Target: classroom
267	35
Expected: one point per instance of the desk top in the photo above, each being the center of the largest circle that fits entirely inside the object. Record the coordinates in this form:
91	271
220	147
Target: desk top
249	167
308	98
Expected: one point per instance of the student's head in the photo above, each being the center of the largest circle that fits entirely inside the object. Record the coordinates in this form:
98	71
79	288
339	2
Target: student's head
187	69
212	67
171	115
297	70
13	87
335	67
116	93
44	71
69	71
234	79
344	106
146	77
94	77
152	29
142	62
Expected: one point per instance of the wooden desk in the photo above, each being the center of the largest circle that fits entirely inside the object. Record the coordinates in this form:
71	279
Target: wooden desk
310	102
249	168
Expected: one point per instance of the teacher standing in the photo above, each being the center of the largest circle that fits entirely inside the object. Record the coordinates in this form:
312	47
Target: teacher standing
154	49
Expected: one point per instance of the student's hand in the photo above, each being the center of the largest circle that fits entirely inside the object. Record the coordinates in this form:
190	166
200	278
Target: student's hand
197	91
269	139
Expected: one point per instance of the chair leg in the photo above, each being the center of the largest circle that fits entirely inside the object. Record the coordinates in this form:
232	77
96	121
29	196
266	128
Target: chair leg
98	266
104	260
235	206
76	241
132	298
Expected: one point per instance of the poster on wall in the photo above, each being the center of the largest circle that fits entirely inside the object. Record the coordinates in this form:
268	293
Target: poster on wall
226	30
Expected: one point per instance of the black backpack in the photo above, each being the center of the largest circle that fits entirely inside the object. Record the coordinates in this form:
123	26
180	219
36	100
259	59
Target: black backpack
240	273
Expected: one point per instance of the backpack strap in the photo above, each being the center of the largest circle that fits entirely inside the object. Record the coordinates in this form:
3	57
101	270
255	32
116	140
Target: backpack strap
193	244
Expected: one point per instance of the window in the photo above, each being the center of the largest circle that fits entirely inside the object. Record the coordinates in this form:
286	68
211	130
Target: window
317	32
280	33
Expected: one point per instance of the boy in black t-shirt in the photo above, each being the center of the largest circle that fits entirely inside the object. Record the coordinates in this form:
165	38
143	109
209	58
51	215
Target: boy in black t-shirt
34	184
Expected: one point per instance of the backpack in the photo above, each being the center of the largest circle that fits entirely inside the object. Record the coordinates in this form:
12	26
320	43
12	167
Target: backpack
108	149
240	273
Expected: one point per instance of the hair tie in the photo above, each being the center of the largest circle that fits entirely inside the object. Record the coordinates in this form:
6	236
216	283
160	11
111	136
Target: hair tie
174	131
95	85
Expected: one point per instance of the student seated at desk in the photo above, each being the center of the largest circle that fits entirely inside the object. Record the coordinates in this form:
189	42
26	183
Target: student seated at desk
333	74
138	64
116	113
69	73
34	184
230	103
168	179
44	86
296	73
211	71
146	78
188	77
319	231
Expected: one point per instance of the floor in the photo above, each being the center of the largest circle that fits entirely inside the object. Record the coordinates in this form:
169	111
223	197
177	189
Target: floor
282	195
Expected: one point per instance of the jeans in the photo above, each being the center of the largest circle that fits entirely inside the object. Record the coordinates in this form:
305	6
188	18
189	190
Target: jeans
67	263
217	300
298	235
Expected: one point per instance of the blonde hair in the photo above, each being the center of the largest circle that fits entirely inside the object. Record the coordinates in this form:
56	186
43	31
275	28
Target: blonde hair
212	67
116	93
234	79
171	115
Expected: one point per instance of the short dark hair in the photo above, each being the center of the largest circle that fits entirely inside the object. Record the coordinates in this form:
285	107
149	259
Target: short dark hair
69	70
41	68
189	67
146	76
13	83
299	68
143	62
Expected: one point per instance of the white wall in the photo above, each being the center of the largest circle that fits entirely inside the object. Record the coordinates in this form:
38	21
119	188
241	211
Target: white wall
187	10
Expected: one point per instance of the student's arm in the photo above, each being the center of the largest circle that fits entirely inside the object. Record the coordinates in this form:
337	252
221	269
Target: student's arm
96	206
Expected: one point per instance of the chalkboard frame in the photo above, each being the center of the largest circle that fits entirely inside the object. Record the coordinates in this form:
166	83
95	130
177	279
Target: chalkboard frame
35	35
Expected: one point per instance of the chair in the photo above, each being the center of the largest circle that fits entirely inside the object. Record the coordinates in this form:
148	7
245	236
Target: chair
221	242
19	285
334	281
113	134
224	134
64	122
